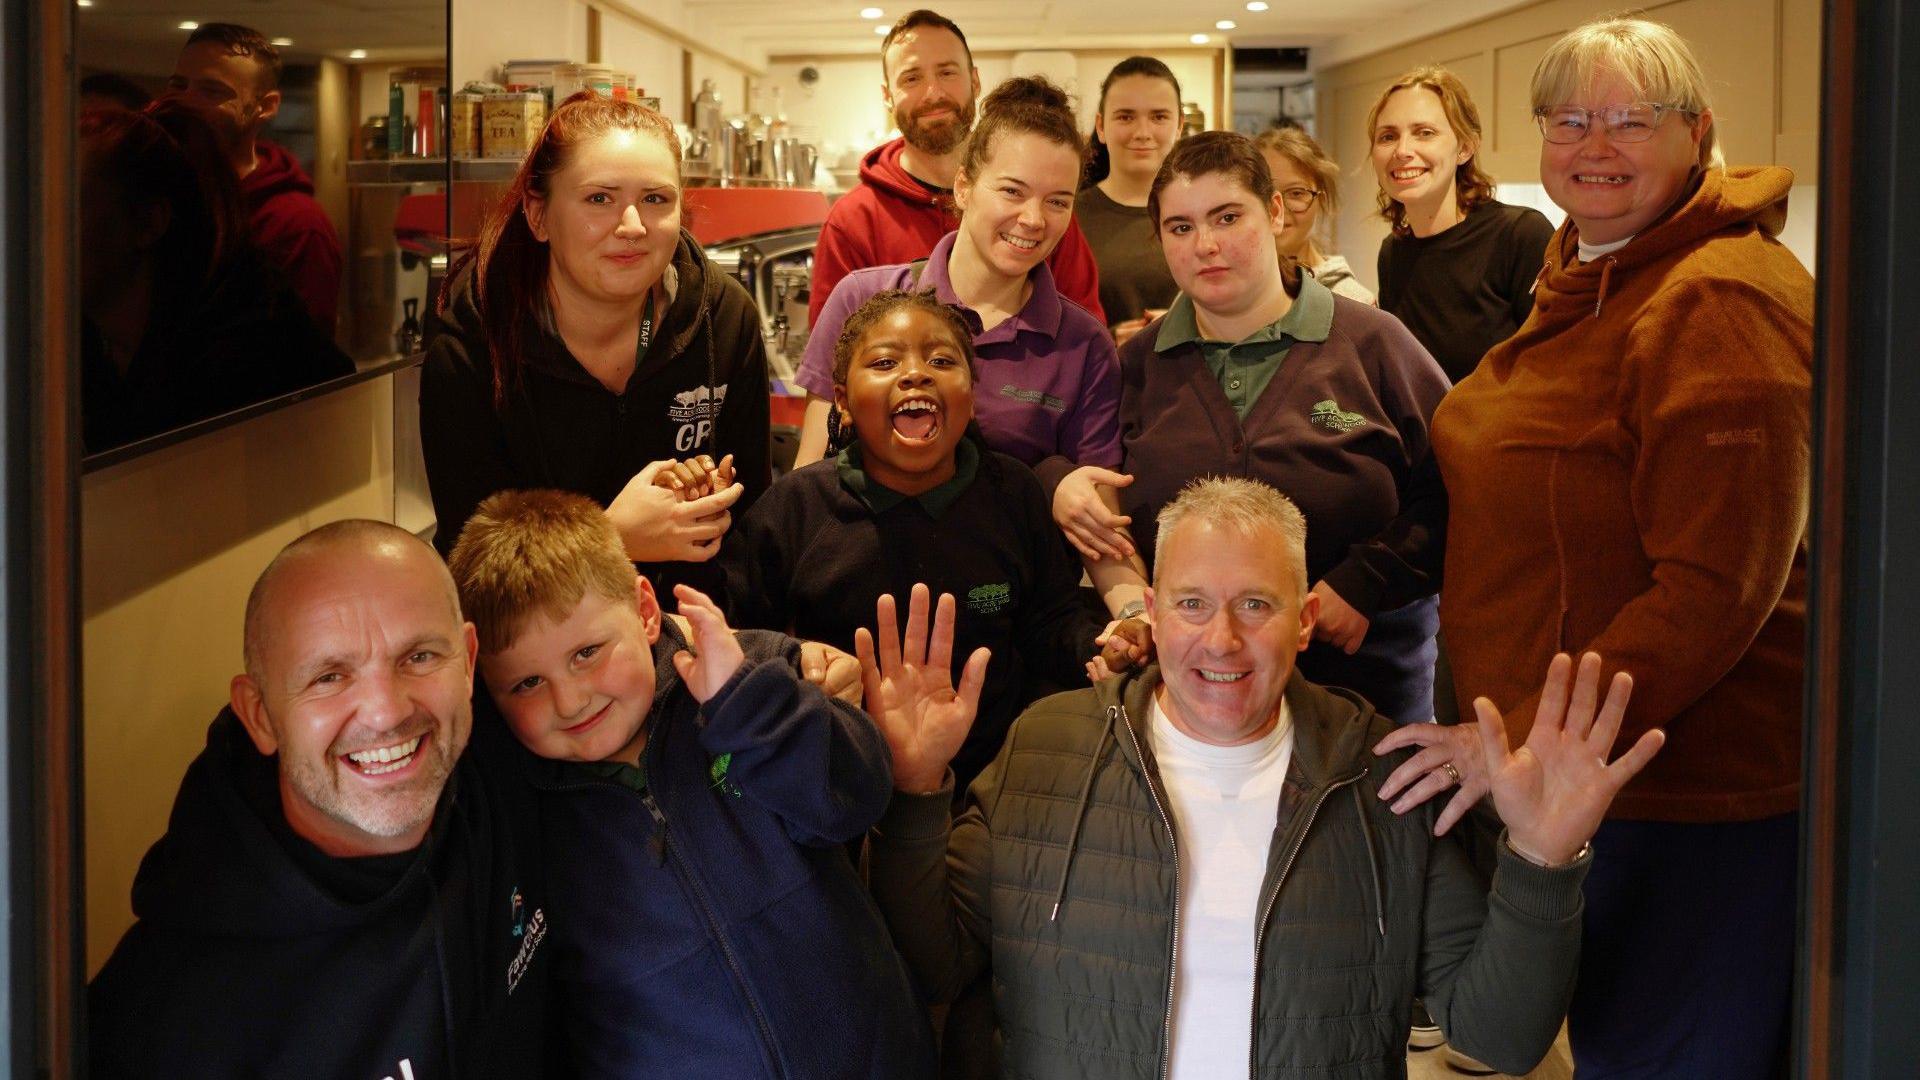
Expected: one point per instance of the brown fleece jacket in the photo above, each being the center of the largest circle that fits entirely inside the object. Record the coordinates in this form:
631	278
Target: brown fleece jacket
1629	474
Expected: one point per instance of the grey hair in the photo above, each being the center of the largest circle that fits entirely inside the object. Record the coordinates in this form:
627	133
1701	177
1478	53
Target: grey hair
1656	63
1246	506
363	531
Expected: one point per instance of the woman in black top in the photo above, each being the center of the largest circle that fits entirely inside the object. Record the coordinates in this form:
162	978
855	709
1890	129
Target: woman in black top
588	342
1136	125
1459	267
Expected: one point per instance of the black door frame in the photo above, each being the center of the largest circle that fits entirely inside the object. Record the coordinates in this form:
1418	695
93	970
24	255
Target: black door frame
1859	971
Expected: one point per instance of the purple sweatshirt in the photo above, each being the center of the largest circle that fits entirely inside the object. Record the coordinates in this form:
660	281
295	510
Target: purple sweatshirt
1046	381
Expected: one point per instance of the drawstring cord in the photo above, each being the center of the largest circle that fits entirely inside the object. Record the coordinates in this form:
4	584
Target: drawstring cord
1606	271
1080	814
1373	862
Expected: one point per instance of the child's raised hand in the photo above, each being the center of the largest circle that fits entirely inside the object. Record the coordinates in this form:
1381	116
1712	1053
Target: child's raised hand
910	691
1125	645
716	654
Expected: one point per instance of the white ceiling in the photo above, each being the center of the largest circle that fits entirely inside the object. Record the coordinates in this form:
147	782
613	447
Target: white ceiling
814	28
130	34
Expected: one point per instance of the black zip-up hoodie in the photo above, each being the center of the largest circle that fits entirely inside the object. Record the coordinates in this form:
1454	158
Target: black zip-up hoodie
255	955
701	387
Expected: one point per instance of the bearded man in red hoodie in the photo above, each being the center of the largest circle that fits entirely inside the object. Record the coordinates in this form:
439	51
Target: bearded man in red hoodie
903	204
235	70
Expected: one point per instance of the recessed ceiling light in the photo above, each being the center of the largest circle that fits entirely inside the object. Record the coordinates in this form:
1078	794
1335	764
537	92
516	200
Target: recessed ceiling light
282	42
879	29
1225	24
189	25
871	13
357	54
1198	39
1257	5
82	3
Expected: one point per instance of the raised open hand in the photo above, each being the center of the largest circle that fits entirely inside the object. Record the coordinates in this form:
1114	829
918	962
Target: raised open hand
910	691
716	652
1553	791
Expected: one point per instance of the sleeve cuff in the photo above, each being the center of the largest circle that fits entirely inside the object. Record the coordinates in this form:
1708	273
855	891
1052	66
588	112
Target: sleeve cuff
1549	894
919	817
1359	586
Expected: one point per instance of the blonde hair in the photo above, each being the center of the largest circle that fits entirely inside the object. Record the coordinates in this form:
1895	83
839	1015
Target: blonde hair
535	552
1242	505
1306	155
1472	187
1656	62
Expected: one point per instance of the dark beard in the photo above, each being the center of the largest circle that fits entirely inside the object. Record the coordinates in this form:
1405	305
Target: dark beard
938	141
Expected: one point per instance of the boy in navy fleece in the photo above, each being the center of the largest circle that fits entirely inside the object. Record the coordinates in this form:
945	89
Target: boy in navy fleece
913	498
695	803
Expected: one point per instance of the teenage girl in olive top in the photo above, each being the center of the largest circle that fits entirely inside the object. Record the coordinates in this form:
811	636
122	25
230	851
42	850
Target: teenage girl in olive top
1137	124
1459	267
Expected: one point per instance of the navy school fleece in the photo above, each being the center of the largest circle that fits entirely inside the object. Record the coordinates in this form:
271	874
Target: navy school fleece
812	558
714	925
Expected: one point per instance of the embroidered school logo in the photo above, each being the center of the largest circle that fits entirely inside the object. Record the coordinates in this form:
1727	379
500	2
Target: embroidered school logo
1034	397
717	772
693	410
405	1073
1328	415
987	599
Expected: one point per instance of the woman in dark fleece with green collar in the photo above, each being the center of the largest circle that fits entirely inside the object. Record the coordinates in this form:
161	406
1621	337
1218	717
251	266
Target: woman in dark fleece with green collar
915	497
588	343
1261	372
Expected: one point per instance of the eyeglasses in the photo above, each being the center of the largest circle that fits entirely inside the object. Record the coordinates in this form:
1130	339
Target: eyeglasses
1299	200
1631	123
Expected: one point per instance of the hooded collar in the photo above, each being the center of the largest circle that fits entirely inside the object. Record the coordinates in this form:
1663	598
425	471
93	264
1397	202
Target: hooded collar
275	171
881	169
222	867
1716	201
692	299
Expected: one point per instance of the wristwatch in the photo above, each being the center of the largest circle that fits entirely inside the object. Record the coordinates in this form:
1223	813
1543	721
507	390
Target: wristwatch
1132	609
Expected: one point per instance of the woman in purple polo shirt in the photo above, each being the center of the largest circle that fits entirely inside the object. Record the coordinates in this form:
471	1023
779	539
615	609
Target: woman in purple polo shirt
1048	379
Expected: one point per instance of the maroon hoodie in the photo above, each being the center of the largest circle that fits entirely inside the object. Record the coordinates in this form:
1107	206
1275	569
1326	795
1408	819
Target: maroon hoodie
293	231
891	218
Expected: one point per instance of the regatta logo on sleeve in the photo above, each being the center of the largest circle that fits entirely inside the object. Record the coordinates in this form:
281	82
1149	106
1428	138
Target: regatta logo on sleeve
987	599
694	410
1328	415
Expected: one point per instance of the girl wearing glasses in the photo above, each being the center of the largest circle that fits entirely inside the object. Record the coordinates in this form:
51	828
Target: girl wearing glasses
1262	372
1308	182
1459	266
1629	475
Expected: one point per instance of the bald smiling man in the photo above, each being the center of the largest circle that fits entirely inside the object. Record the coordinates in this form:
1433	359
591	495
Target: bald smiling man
342	890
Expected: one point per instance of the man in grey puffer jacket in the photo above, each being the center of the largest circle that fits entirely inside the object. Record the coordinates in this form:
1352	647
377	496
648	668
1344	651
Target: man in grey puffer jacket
1187	872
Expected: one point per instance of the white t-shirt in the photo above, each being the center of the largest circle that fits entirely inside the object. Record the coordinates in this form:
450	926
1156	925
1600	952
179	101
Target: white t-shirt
1225	800
1590	252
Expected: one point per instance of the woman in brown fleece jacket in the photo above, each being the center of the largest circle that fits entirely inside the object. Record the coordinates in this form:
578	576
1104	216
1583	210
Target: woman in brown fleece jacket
1628	474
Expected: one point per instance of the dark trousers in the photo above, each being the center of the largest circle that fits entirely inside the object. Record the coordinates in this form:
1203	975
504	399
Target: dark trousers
1686	968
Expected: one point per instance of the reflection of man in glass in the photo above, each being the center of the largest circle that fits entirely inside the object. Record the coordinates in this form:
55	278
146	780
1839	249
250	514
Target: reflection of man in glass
234	70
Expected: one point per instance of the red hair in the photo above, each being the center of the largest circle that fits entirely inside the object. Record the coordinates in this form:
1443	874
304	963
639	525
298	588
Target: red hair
509	265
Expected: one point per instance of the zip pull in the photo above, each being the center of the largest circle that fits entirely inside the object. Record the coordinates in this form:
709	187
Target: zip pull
658	843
